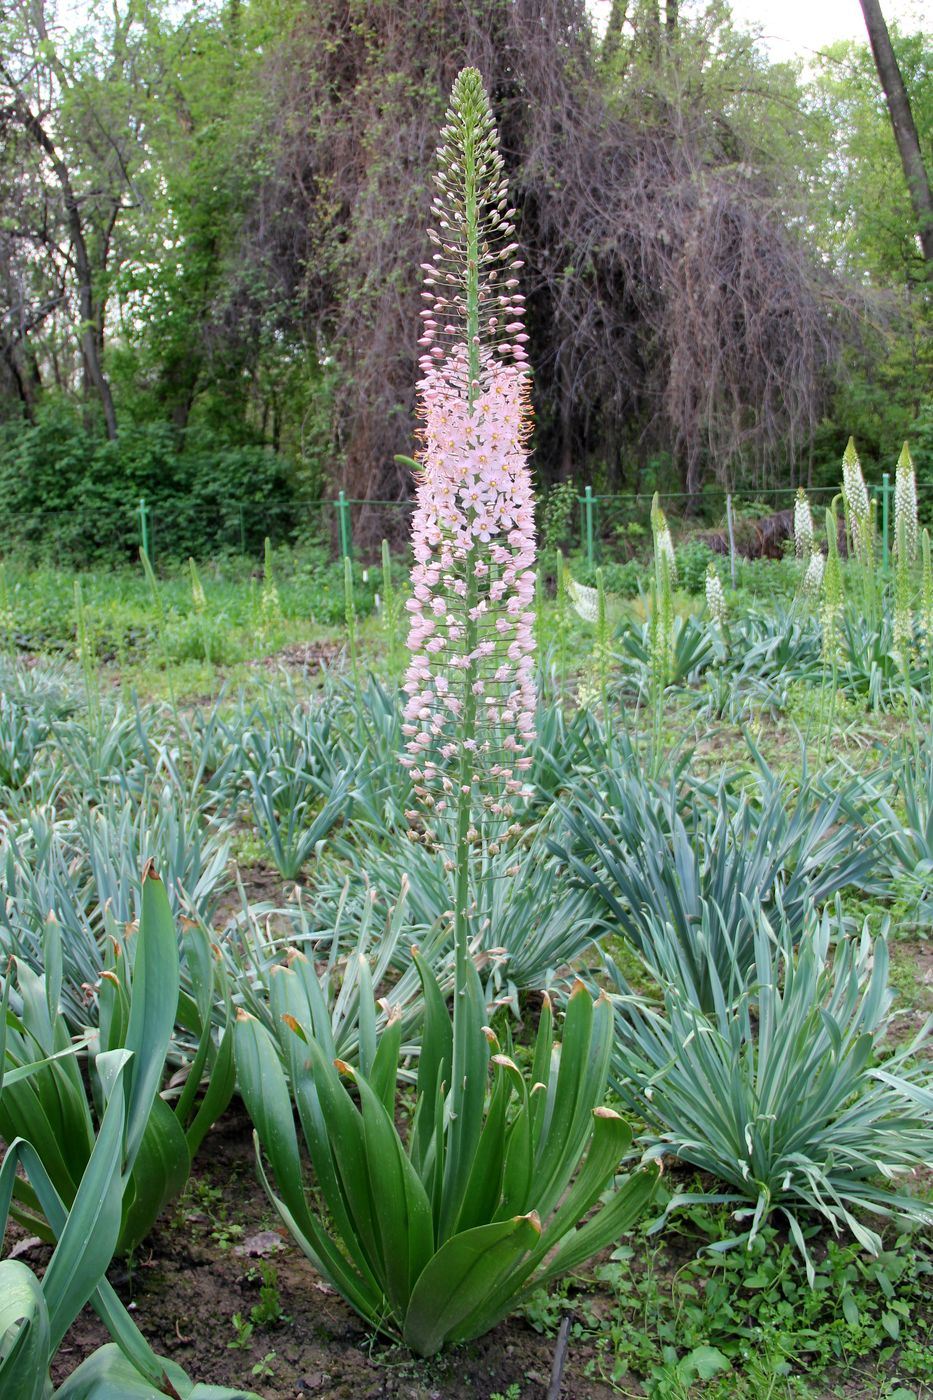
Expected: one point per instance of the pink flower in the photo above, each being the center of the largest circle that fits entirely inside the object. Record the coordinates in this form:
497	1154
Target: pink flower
470	679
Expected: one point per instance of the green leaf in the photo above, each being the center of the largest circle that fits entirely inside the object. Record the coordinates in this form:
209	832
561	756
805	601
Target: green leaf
153	1007
196	1015
467	1097
446	1302
25	1351
108	1375
4	1006
626	1204
704	1363
401	1208
87	1234
484	1188
159	1174
891	1324
265	1093
384	1074
334	1132
434	1062
220	1088
611	1139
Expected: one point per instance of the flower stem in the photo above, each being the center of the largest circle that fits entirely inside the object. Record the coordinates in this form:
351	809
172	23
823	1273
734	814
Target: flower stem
467	758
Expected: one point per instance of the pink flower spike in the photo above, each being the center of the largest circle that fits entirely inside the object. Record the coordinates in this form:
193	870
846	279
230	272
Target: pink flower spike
470	678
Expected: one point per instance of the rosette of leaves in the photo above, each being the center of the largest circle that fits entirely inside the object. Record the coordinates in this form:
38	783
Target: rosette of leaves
786	1095
654	859
436	1238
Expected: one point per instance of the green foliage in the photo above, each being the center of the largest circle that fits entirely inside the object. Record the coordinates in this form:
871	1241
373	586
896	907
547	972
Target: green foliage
435	1239
34	1316
292	808
802	1114
137	1005
703	865
921	442
693	559
268	1310
67	494
749	1320
888	376
557	517
528	923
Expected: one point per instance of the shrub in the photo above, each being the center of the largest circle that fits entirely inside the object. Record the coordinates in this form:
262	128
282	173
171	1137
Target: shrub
693	558
66	492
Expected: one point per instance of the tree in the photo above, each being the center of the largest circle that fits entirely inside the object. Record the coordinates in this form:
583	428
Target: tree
673	305
862	219
902	124
50	96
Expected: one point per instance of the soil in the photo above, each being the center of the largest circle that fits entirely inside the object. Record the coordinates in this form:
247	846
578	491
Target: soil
195	1272
302	656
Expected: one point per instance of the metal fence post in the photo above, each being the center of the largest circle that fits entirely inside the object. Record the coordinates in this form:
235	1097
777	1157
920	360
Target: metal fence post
885	519
343	526
588	516
143	513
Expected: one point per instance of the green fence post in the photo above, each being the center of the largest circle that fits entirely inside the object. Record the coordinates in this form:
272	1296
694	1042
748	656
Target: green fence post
343	526
588	513
885	519
144	526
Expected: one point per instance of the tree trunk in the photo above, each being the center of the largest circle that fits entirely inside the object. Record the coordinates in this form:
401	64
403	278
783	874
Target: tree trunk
902	121
91	330
652	26
22	380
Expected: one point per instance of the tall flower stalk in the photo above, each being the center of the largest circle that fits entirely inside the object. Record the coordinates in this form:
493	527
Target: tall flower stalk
715	597
926	609
906	549
903	631
857	504
470	684
812	582
832	608
433	1237
906	528
199	603
270	604
661	623
803	527
860	524
390	610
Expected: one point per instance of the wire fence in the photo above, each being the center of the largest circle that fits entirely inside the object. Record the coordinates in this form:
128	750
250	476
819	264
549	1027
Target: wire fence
618	526
600	527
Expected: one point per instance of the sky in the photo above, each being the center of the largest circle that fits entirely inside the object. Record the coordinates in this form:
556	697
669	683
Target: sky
798	28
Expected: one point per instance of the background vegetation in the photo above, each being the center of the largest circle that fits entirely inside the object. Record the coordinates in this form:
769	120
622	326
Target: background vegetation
210	225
